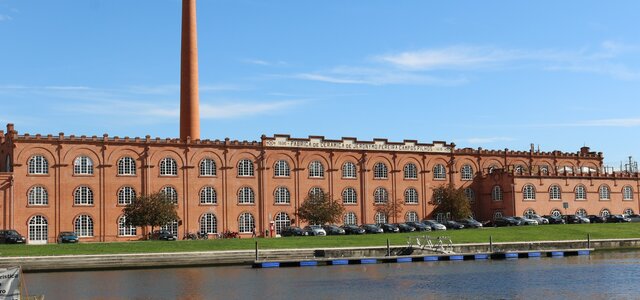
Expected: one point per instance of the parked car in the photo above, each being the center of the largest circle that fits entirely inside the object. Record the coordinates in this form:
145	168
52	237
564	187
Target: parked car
505	221
617	219
389	228
574	219
541	220
470	223
353	229
163	235
584	220
404	227
434	225
315	230
452	225
554	219
525	221
372	228
67	237
292	231
333	230
634	218
419	226
11	237
596	219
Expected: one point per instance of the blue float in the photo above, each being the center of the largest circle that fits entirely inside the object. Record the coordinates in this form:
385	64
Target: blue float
584	252
456	257
404	259
511	255
557	254
481	256
309	263
534	254
368	261
339	262
431	258
270	265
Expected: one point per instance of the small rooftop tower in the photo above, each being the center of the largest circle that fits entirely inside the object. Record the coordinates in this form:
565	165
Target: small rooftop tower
189	106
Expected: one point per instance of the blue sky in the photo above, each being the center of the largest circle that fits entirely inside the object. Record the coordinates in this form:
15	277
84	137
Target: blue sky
491	74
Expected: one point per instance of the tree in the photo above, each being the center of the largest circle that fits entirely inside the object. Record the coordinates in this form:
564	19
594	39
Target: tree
449	200
391	209
153	210
318	208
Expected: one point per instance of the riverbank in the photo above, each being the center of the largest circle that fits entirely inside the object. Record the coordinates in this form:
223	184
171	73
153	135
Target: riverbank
498	235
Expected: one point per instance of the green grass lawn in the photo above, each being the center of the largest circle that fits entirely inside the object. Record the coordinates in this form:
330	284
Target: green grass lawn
503	234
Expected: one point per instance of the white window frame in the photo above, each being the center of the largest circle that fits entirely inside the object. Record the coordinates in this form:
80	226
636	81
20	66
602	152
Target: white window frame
349	170
38	230
123	229
380	196
246	195
281	221
349	196
38	196
83	165
627	193
529	192
170	193
555	193
380	171
439	172
605	192
528	213
350	218
316	169
127	166
126	195
410	171
208	167
581	212
281	169
168	167
605	212
281	195
38	165
83	195
83	226
581	192
411	196
245	168
380	218
470	194
246	223
411	216
496	193
208	195
208	223
466	173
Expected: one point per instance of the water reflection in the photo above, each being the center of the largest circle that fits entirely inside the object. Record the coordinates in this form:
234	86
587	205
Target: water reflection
601	275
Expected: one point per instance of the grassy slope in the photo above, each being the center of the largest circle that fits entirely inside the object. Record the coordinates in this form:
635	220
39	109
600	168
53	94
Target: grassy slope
504	234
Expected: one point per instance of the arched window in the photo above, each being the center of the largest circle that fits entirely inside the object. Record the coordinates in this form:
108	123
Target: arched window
410	196
410	171
565	169
316	191
282	220
604	192
246	223
168	167
316	169
348	170
529	213
627	193
581	192
519	170
245	168
282	195
208	167
380	218
492	169
170	194
496	193
38	165
350	218
471	195
84	226
411	216
497	214
380	171
126	195
246	196
83	165
441	217
281	169
554	192
581	212
38	230
8	164
556	213
529	192
83	196
544	170
38	196
439	172
208	224
126	166
349	196
171	227
208	195
123	229
466	173
605	213
380	196
628	212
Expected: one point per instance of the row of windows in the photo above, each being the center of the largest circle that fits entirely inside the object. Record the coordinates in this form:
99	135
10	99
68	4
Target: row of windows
83	195
168	166
555	193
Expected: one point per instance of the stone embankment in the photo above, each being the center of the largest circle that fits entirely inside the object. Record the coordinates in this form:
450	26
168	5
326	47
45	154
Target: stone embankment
248	257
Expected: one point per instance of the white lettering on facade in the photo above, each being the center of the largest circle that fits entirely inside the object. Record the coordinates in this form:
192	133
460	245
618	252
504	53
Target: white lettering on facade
407	147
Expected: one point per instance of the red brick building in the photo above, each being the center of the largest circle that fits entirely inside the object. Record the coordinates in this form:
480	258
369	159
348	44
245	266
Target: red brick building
68	183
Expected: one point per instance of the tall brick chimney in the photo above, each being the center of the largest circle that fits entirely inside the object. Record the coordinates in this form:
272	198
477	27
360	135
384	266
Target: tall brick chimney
189	106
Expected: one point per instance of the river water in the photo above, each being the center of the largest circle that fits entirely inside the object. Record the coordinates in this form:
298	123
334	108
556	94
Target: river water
602	275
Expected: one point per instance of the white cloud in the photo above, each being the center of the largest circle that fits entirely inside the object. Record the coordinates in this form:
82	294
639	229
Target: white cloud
449	58
5	18
261	62
236	110
372	76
